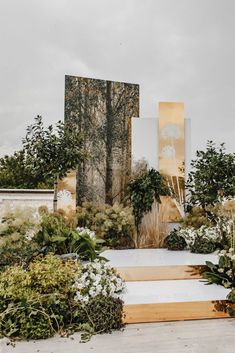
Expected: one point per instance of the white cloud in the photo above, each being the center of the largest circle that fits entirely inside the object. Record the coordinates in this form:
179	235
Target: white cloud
177	50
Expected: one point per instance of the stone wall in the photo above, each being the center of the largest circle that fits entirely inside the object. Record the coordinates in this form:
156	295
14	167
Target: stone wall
22	197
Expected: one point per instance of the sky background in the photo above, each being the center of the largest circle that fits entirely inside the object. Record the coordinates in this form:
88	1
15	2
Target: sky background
177	50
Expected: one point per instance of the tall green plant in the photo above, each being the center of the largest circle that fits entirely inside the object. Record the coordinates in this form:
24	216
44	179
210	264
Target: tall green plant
143	190
47	153
212	175
57	237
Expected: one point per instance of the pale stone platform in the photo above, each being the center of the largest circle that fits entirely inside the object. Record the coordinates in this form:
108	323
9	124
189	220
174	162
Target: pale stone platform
202	336
156	257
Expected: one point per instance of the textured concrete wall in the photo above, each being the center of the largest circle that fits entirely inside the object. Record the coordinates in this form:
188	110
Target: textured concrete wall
31	198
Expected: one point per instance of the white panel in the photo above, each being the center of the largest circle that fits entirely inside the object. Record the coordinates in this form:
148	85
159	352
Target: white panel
156	257
145	141
172	292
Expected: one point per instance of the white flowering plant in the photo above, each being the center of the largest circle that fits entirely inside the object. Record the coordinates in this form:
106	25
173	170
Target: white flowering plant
222	273
18	227
19	222
188	234
98	278
84	231
209	233
204	239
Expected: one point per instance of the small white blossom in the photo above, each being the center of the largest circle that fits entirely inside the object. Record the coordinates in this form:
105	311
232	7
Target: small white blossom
86	231
221	270
98	278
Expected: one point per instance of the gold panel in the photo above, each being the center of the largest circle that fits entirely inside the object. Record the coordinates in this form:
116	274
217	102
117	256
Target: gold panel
172	154
66	192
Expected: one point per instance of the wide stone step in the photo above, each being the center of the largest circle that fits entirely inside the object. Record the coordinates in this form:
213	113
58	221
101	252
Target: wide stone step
157	264
155	301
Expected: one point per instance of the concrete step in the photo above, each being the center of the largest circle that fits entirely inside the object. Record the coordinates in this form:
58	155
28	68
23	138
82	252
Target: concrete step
157	264
155	301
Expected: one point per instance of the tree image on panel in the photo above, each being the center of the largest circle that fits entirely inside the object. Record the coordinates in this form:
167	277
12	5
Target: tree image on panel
103	111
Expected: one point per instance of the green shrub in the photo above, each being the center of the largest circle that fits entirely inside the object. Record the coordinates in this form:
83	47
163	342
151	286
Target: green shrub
222	273
38	302
114	224
203	245
196	218
58	237
211	176
143	190
174	241
17	229
231	296
103	313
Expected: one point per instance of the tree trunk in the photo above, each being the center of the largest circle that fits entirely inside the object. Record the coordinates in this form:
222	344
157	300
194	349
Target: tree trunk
109	147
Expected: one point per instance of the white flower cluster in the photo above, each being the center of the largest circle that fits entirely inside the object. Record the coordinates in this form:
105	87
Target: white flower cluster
98	278
228	253
226	264
86	231
24	221
189	234
224	224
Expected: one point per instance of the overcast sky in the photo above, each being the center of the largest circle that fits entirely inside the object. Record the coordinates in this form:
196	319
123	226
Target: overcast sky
177	50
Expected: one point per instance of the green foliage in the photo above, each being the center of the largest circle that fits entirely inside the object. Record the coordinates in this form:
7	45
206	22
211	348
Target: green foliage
196	218
114	224
53	151
14	173
17	228
203	240
212	175
203	245
57	237
47	153
231	296
38	303
174	241
143	191
223	273
103	314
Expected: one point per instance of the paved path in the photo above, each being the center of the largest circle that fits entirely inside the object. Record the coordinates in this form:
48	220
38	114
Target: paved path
204	336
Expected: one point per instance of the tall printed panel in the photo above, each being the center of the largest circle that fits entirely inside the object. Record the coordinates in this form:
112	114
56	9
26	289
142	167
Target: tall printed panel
103	111
172	153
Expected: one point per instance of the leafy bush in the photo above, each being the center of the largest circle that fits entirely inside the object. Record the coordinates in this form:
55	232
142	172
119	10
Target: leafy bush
98	290
102	314
203	240
231	296
57	237
196	218
38	302
223	214
212	175
18	226
143	190
47	152
114	224
222	273
203	245
41	301
174	241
